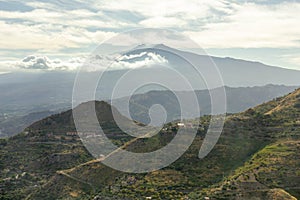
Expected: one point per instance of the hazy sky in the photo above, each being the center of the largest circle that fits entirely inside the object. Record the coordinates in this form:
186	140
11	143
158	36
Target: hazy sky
64	30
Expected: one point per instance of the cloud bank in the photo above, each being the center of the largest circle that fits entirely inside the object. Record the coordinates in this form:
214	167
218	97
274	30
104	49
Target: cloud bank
87	63
215	23
63	28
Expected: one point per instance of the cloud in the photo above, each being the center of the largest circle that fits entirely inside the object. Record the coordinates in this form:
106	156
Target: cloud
177	14
75	18
86	63
166	22
213	24
65	28
34	62
117	61
193	9
293	59
42	63
253	26
54	25
150	36
143	59
47	36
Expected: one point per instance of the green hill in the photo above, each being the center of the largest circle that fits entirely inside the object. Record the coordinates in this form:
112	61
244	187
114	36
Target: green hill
271	173
255	157
29	159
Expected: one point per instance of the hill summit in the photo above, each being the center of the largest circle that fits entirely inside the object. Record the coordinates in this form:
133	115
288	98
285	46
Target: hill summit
256	157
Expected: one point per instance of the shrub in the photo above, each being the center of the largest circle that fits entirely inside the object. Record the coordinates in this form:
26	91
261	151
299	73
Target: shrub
297	105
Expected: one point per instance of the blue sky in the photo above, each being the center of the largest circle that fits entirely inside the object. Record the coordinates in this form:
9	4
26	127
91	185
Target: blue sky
261	30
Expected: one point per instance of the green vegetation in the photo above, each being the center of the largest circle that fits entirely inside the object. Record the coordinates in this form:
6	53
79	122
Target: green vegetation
275	166
256	157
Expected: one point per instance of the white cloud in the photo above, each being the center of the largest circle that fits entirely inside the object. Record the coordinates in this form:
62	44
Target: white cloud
216	23
293	59
192	9
57	26
86	63
150	37
176	14
148	59
34	62
20	36
253	25
131	56
76	18
166	22
117	61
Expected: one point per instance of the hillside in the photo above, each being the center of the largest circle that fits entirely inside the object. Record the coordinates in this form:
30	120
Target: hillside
29	159
273	172
263	141
15	124
14	120
238	100
23	93
274	167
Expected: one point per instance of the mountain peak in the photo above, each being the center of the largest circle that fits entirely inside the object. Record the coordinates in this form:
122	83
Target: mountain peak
152	46
161	45
104	111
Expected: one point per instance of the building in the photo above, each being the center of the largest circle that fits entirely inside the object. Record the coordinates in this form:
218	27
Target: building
71	133
180	124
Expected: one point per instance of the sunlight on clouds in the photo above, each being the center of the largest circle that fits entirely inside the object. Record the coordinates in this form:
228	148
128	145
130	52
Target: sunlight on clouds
157	22
152	37
293	59
76	18
177	8
220	24
253	26
34	62
55	27
19	36
87	63
149	59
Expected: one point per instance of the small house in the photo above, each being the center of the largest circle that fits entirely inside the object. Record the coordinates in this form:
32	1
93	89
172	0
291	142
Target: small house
71	133
180	124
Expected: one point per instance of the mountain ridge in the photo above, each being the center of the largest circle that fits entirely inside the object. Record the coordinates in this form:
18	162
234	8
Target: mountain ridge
238	99
245	135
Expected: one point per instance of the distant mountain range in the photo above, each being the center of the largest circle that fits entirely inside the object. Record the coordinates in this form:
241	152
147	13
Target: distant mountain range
256	157
31	90
23	93
238	99
234	72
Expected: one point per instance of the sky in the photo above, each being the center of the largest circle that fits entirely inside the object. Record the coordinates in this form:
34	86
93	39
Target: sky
60	33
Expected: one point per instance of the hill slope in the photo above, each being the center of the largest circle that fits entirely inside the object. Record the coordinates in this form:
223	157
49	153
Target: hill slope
238	100
31	158
274	167
64	170
15	120
273	172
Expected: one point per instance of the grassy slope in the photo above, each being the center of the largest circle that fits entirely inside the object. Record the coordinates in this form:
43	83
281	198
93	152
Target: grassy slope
274	171
244	135
274	167
29	159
